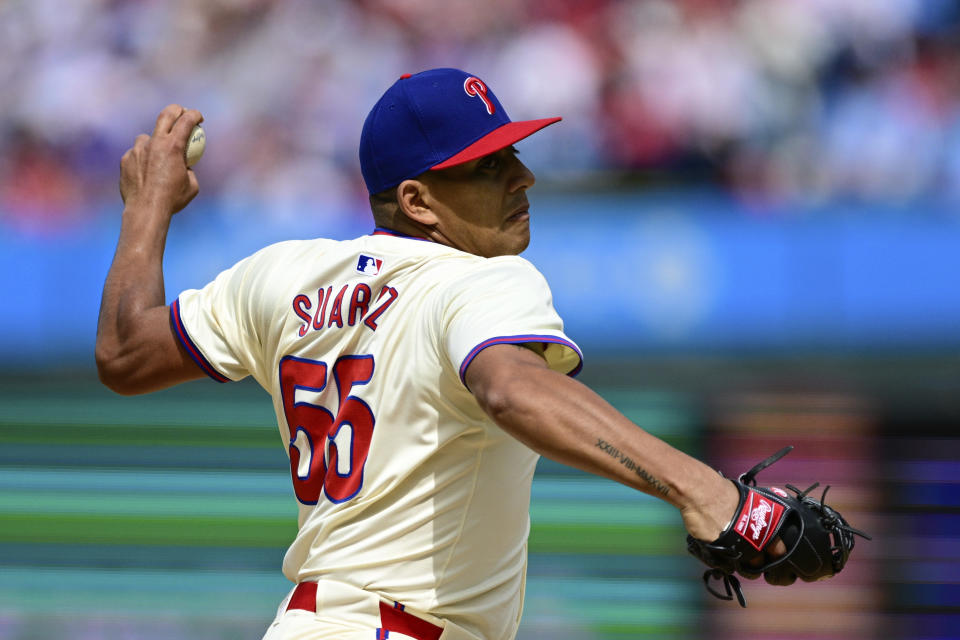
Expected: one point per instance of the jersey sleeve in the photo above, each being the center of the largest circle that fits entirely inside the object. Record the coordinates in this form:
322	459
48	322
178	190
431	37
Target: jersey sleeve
507	301
217	324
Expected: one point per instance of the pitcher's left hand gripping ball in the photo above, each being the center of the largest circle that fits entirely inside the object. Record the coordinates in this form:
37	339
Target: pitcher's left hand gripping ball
817	538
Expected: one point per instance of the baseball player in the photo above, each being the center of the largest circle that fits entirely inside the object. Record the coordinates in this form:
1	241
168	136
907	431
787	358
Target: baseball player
416	372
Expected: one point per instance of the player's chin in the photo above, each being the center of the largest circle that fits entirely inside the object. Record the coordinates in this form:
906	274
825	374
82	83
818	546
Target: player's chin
513	236
520	241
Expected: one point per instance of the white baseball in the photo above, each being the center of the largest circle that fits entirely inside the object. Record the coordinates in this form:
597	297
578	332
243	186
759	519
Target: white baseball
195	146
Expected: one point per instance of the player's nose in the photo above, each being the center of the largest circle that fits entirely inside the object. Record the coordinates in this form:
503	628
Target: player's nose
522	177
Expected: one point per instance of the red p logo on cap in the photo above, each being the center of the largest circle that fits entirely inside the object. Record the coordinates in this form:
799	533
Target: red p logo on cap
474	87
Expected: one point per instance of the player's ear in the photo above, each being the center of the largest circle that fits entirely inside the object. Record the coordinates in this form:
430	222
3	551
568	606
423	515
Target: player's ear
413	198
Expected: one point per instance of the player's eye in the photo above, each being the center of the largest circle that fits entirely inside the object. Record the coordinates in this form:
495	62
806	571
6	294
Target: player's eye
490	162
496	159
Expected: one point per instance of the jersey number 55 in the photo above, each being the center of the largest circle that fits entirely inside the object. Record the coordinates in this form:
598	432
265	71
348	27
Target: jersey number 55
327	451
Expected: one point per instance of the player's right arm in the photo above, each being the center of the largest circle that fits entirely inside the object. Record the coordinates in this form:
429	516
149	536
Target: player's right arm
506	305
137	350
566	421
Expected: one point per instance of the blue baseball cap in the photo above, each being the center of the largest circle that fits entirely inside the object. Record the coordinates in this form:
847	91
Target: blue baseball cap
433	120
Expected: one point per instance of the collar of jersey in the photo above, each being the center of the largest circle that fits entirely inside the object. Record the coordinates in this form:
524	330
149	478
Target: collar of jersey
383	231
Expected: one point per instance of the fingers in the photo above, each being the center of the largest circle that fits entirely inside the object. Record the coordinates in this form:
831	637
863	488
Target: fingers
138	144
173	128
166	119
175	123
777	549
185	123
176	120
154	170
780	575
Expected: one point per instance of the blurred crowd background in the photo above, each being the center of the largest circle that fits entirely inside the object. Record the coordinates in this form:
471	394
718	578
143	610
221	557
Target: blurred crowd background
779	101
748	218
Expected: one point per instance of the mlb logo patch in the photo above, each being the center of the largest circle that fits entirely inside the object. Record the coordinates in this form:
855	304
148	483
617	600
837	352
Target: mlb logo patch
369	265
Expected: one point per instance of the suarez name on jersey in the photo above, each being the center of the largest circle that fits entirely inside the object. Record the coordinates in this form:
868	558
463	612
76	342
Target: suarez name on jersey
346	307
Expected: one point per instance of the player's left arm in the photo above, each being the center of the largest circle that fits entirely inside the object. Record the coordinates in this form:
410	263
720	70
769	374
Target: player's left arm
137	350
566	421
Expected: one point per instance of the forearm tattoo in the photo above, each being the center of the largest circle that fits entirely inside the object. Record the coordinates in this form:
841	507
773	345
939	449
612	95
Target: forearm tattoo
614	452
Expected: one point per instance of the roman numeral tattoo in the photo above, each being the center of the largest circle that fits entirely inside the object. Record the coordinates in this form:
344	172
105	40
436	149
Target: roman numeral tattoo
614	452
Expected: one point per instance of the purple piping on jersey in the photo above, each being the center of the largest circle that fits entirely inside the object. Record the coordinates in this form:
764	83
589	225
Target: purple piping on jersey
518	340
191	348
383	231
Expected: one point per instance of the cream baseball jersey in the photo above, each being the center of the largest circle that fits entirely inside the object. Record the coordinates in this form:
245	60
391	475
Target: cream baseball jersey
405	486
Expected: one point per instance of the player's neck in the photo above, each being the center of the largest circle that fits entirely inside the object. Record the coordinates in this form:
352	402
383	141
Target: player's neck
406	228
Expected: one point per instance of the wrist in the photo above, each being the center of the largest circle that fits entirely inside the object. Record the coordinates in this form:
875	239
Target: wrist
714	509
144	216
736	504
143	230
147	209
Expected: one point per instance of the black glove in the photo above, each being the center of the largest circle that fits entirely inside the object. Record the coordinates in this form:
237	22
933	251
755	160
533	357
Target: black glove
817	538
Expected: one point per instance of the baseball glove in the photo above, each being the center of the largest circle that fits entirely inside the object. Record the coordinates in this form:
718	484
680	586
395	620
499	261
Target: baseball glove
817	538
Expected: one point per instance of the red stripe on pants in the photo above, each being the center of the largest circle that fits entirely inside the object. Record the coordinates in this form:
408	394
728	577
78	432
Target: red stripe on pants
391	618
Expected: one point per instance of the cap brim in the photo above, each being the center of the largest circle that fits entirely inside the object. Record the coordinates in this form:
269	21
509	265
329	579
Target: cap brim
497	139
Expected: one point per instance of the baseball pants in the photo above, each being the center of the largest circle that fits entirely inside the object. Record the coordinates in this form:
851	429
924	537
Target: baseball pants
330	610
